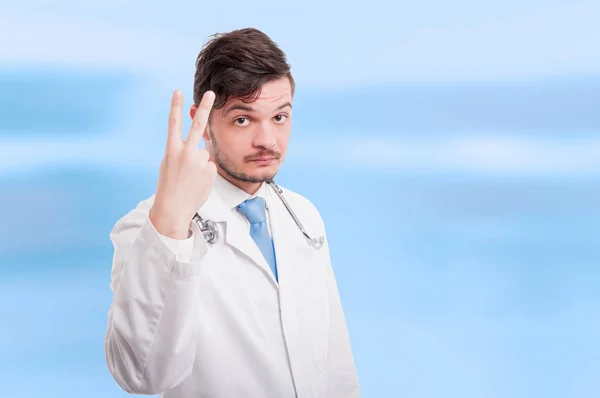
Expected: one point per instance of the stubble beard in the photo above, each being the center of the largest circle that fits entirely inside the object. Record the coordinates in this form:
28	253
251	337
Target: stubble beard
222	161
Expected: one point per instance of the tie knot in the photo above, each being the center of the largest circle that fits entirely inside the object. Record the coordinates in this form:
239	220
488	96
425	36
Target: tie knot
254	209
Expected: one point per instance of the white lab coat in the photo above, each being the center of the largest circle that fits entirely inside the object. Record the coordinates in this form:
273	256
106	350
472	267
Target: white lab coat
212	321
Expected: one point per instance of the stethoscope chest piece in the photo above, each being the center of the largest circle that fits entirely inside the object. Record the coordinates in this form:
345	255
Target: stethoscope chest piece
208	228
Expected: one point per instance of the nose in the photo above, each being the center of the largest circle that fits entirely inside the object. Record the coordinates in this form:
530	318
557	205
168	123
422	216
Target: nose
265	137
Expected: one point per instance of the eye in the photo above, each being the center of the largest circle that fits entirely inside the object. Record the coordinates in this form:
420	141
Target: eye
242	119
280	118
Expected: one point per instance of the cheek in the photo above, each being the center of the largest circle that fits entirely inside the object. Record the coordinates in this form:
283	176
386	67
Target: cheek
236	148
284	140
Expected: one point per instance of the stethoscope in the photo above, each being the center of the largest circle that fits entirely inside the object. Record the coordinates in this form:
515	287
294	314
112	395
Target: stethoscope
211	233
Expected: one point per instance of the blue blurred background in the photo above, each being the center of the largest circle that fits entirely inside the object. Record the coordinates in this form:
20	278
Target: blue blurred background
453	149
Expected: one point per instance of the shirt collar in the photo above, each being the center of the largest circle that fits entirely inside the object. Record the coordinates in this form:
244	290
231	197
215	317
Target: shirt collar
231	195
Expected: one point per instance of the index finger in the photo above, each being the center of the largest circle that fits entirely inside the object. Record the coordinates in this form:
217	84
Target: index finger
174	131
200	119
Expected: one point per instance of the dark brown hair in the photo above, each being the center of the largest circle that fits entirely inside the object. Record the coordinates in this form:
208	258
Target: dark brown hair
237	64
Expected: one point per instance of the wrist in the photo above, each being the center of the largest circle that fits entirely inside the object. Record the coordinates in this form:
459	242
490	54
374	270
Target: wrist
169	226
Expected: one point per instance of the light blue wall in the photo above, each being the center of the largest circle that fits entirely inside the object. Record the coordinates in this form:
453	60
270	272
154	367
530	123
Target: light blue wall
453	150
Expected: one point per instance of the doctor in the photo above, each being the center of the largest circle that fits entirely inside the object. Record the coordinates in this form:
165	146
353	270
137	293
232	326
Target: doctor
257	313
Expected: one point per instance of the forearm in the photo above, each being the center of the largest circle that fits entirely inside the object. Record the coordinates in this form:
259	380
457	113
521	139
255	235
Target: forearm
151	334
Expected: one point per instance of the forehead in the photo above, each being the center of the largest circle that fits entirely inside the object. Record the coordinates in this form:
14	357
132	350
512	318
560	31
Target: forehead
272	95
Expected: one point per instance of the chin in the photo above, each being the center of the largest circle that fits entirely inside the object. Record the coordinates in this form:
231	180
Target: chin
264	173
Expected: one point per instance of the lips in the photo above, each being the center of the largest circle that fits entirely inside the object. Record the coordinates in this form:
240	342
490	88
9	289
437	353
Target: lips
264	159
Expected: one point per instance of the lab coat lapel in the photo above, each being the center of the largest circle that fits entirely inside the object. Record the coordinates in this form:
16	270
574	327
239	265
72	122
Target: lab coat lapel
290	248
234	236
240	239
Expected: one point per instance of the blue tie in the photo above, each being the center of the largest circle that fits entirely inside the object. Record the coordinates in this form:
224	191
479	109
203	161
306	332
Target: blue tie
254	210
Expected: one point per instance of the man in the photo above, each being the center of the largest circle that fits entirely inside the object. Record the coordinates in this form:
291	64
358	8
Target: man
255	313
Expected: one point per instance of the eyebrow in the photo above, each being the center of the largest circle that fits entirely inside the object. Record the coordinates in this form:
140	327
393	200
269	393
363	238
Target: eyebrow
247	108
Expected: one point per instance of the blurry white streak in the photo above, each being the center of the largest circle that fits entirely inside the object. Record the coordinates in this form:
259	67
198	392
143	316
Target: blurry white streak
112	152
475	155
463	155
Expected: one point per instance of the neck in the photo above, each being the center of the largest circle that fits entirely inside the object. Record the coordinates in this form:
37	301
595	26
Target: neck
249	187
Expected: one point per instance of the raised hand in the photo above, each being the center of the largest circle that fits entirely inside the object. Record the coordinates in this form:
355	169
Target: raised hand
186	175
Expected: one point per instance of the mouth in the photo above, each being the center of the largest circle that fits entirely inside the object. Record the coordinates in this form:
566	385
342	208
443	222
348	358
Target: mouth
263	158
263	161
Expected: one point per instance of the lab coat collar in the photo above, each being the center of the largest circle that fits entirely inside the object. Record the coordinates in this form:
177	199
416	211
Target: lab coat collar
224	197
231	195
